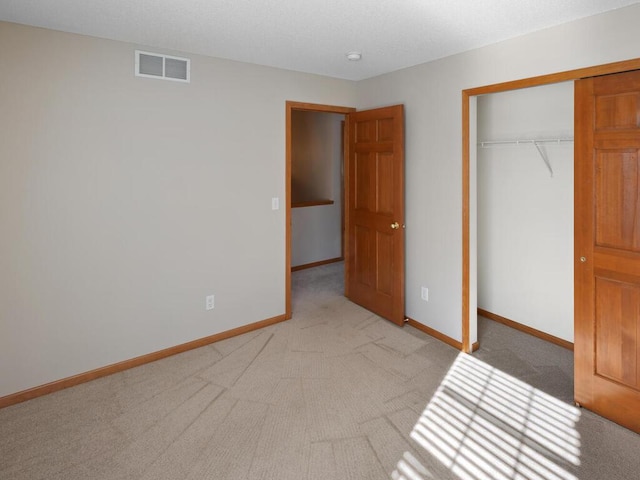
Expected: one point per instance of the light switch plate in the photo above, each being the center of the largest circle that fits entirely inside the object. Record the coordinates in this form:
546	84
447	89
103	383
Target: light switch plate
424	294
210	302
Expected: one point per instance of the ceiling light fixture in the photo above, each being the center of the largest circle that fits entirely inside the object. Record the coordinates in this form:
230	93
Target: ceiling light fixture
354	56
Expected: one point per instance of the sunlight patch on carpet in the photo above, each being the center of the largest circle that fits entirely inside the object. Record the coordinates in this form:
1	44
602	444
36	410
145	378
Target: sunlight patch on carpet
484	424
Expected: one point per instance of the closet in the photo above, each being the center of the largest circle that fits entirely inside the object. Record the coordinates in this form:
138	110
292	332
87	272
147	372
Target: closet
525	207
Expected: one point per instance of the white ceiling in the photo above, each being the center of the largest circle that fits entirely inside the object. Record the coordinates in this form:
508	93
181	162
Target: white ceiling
308	35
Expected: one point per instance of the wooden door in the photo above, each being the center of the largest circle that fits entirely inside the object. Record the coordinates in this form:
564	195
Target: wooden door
375	211
607	246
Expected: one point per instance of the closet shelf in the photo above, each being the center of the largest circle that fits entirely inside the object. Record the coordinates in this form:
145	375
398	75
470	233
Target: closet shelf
535	142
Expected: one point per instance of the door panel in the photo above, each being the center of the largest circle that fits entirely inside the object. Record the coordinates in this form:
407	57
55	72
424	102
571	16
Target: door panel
616	111
364	171
607	229
384	243
385	196
617	331
375	203
362	253
617	199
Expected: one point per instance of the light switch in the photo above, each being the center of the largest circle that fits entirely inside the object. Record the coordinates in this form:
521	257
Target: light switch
275	203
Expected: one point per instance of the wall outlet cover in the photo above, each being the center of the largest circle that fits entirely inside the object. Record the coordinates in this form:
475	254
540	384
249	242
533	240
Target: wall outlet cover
210	302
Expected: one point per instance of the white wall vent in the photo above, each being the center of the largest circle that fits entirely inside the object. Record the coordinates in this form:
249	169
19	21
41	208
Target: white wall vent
156	65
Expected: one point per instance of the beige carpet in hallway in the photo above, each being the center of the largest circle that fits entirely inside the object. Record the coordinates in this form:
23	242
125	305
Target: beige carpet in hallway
335	393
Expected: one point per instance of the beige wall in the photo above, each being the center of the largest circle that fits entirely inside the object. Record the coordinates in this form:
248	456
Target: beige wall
431	94
124	201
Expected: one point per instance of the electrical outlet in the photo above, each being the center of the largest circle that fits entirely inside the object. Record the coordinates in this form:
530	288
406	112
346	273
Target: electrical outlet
210	302
424	294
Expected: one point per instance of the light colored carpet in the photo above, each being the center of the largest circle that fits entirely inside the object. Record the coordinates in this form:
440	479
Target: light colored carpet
335	393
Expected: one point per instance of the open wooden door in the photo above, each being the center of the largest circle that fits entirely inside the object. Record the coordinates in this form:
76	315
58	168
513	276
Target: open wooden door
375	211
607	246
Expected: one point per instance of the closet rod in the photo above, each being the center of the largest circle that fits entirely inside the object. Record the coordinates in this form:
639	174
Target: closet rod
536	143
542	141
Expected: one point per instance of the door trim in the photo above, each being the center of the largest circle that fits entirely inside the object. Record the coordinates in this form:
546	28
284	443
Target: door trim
569	75
290	106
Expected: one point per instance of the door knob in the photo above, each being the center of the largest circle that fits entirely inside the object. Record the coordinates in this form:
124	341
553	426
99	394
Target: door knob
395	225
583	259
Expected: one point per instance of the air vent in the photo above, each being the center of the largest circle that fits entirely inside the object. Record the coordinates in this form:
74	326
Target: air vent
156	65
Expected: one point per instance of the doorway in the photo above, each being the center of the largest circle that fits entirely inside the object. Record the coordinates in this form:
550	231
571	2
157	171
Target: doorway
292	110
374	212
317	218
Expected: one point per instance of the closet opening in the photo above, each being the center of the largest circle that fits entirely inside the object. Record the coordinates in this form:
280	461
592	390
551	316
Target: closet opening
524	207
470	100
525	180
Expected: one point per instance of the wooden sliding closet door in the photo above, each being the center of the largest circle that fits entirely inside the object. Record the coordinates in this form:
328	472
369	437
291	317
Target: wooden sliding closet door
607	246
